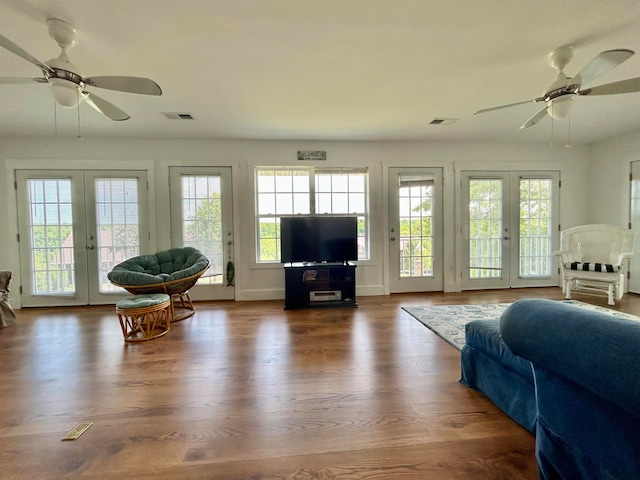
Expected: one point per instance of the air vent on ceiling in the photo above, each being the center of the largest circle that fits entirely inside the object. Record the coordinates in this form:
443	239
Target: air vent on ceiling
178	116
443	121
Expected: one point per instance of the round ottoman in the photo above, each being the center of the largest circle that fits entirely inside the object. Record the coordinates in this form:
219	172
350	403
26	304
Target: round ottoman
143	317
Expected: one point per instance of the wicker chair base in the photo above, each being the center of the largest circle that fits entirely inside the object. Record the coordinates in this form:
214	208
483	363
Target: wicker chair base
178	290
182	306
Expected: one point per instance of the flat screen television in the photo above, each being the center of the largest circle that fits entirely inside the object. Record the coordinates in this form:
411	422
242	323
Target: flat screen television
318	239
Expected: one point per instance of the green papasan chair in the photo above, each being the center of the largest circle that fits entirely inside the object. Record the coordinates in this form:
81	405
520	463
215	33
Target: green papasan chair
172	272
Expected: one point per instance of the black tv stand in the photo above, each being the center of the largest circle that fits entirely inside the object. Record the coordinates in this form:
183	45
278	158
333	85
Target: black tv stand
319	285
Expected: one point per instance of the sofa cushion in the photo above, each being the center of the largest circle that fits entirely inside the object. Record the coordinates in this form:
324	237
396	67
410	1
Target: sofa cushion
487	365
591	348
484	335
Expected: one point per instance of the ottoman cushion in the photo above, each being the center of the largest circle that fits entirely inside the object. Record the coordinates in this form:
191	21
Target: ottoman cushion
142	301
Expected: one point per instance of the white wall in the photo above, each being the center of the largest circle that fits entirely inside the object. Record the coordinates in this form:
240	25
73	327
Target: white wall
257	281
609	187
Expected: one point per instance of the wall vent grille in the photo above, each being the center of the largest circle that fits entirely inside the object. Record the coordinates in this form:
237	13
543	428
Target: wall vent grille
178	116
443	121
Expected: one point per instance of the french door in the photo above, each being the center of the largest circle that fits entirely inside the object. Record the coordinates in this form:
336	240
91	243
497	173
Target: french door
74	227
415	236
634	267
201	217
509	229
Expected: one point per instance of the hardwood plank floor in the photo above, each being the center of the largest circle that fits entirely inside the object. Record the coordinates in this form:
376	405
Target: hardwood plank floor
246	390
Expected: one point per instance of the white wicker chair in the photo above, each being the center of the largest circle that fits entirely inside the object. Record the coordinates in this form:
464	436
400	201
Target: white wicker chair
594	260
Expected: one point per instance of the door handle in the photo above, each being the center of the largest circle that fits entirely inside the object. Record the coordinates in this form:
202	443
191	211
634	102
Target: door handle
393	239
506	238
90	247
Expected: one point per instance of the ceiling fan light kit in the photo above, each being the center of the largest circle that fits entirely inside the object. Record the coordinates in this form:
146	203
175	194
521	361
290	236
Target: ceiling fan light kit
560	95
65	92
560	107
68	85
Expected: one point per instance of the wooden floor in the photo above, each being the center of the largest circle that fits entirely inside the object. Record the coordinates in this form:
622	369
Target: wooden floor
246	390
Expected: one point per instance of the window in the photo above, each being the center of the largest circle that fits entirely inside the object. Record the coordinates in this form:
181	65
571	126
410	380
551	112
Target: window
308	191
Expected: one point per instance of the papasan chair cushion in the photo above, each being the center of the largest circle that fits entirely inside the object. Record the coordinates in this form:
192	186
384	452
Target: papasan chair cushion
160	267
172	272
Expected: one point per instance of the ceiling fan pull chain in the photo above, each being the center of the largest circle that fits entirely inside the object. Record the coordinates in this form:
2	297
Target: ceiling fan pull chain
55	119
551	144
78	94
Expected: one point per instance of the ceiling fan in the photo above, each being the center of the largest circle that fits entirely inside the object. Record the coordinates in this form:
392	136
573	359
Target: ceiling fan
559	96
67	85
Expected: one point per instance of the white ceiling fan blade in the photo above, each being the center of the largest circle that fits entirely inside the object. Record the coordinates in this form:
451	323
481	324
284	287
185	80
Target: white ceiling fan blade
624	86
485	110
17	80
601	64
12	47
125	84
106	108
535	119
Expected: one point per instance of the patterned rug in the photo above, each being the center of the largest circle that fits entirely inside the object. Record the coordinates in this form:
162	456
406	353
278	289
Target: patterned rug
448	321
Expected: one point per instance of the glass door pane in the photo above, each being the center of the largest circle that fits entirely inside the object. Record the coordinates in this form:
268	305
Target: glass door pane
51	237
536	224
202	222
117	224
485	228
415	237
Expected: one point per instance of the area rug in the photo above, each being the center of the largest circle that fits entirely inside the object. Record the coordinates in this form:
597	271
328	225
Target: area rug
448	321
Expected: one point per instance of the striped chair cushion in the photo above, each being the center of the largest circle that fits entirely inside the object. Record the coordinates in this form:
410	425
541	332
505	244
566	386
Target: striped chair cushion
593	267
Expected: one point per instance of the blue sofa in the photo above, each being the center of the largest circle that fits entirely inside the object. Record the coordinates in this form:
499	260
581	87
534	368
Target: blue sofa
506	379
586	368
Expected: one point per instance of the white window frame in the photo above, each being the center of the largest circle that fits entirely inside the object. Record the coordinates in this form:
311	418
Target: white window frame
312	172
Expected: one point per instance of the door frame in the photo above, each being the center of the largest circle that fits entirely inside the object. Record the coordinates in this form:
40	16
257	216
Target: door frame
82	213
512	280
633	283
416	284
202	291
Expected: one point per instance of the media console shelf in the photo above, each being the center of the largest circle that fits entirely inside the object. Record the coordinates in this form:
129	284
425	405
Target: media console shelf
319	285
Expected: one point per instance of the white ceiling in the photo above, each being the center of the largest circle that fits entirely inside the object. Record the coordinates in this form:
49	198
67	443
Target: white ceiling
324	69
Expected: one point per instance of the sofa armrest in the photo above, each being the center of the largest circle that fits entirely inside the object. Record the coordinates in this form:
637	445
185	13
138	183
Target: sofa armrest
593	349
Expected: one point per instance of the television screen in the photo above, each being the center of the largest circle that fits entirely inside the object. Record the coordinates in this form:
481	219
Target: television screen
318	239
